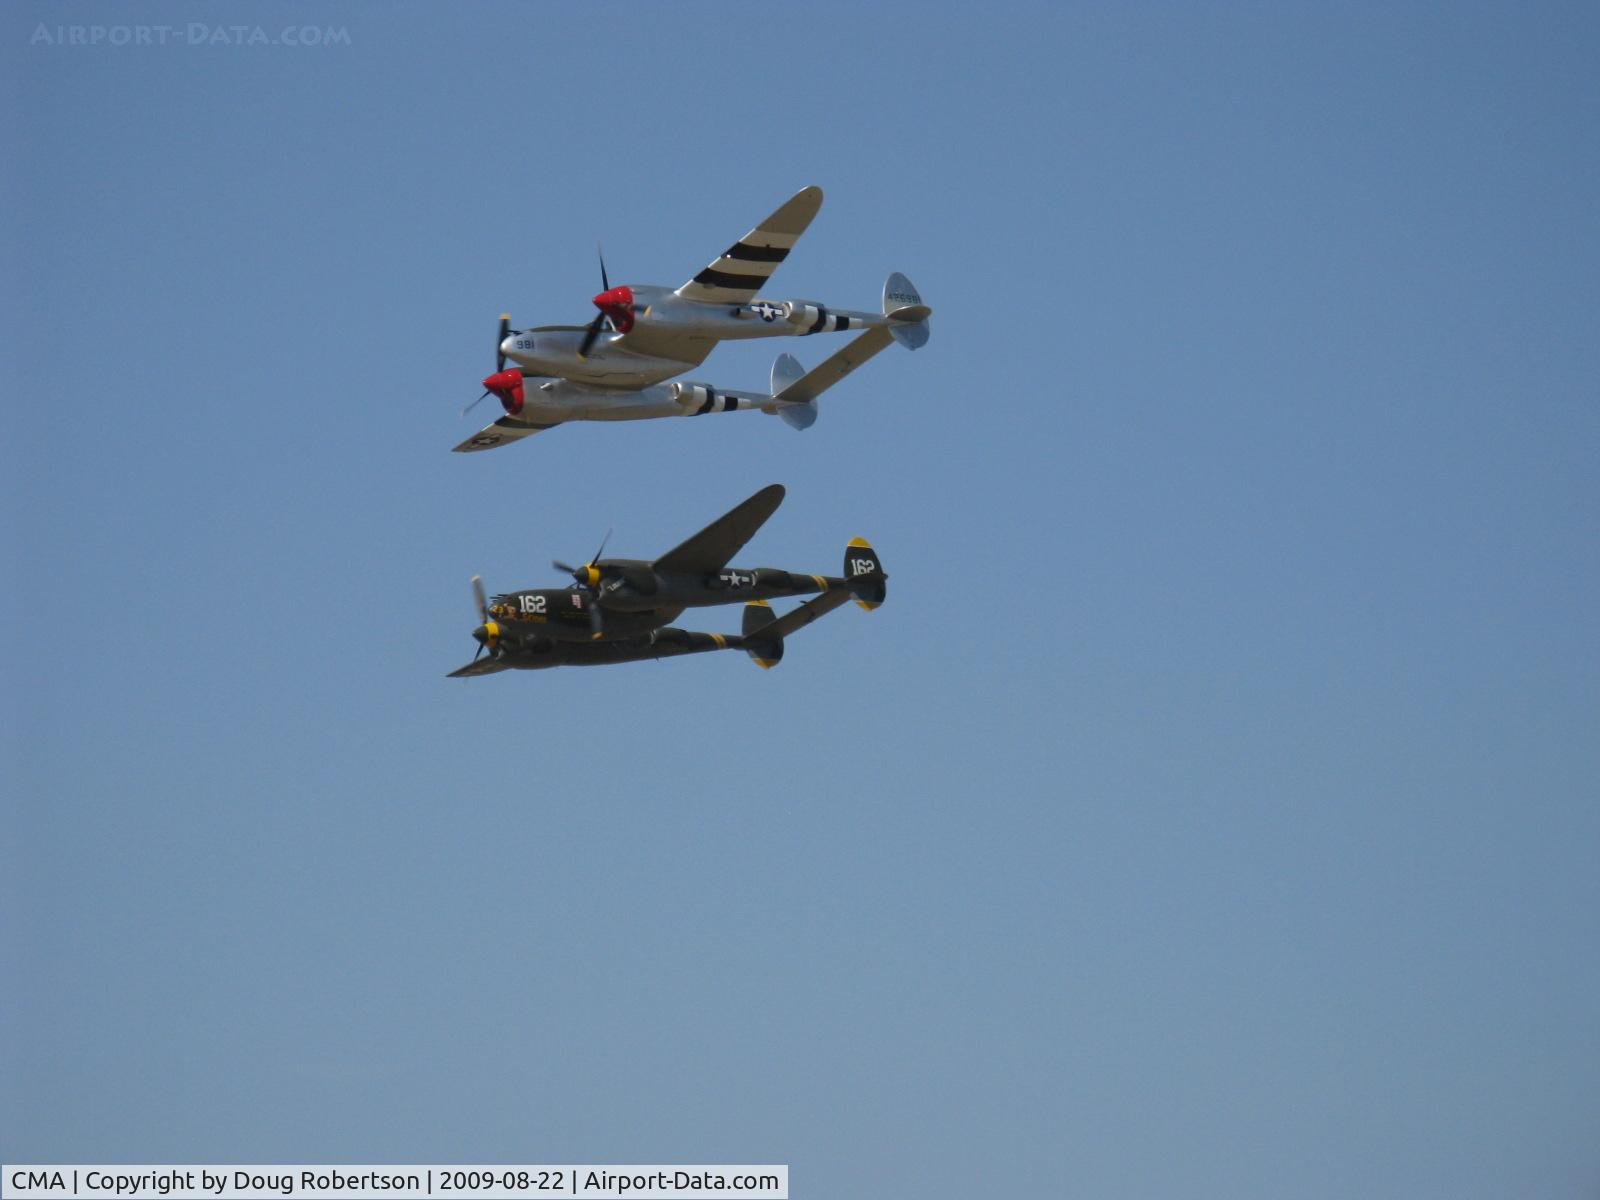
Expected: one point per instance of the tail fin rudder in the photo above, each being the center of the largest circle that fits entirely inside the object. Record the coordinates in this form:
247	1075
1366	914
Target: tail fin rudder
763	637
765	652
786	369
864	573
907	314
799	416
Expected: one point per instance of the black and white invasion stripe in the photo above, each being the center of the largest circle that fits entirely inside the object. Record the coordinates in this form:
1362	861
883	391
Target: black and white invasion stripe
815	318
741	270
699	398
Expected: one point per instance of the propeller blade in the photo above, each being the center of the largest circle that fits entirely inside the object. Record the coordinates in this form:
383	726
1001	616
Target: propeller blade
478	653
581	574
605	282
590	334
499	355
483	601
474	404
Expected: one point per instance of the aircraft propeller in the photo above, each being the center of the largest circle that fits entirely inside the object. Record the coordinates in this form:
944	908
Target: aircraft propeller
488	632
588	576
615	303
499	361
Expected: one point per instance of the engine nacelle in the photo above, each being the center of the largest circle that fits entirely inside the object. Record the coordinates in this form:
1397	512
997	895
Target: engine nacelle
814	318
639	577
797	312
691	395
697	398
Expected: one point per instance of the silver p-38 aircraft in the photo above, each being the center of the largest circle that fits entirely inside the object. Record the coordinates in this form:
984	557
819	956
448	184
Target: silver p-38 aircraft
616	368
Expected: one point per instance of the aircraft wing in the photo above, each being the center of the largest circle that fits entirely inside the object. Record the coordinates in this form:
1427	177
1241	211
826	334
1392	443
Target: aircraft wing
744	267
691	349
501	433
484	666
713	546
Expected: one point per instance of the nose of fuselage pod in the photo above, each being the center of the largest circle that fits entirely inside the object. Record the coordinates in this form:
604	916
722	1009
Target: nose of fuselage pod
510	348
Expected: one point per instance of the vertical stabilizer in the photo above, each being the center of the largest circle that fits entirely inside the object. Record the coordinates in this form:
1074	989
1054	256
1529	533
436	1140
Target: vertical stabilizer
907	314
786	369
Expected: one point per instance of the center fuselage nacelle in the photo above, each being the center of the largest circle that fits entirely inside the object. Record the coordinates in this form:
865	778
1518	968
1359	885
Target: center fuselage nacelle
635	599
625	360
559	614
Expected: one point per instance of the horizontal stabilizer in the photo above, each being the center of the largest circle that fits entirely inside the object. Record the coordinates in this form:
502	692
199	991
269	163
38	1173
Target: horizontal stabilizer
839	364
800	617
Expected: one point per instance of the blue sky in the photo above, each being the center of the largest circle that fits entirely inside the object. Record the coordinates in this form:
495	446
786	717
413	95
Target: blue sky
1211	811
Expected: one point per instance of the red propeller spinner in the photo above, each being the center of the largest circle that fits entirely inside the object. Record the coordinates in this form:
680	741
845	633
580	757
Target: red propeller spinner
507	388
505	384
617	303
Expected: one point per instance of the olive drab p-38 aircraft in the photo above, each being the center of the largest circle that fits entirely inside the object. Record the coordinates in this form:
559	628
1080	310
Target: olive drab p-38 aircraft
620	608
616	367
